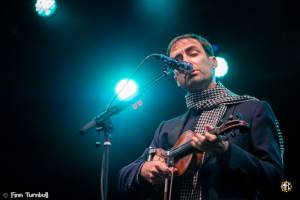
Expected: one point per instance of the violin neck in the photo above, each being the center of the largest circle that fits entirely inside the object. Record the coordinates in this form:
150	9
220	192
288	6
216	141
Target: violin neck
181	151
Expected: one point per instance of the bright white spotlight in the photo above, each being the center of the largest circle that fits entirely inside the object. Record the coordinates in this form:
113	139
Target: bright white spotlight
45	8
126	89
222	67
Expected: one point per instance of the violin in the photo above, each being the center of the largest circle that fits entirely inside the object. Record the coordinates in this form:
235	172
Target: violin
183	156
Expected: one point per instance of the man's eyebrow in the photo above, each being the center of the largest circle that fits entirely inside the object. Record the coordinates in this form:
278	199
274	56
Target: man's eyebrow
189	48
192	47
176	54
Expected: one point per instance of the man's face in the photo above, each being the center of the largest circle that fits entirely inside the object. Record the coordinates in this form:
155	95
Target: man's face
191	50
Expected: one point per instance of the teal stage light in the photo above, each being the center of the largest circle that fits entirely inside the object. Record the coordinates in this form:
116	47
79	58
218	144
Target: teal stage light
45	8
126	89
222	67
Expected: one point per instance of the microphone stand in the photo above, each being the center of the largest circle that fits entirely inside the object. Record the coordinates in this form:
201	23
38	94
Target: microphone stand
106	127
102	122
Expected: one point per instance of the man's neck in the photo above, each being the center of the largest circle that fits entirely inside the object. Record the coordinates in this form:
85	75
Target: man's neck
204	86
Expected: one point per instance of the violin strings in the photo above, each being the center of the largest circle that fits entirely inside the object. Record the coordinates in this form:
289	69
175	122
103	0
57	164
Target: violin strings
179	149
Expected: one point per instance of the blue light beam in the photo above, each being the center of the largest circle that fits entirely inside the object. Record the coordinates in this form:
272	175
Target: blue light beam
222	67
126	89
45	8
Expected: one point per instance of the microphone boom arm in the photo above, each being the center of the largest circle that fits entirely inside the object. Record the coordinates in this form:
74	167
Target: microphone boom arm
102	117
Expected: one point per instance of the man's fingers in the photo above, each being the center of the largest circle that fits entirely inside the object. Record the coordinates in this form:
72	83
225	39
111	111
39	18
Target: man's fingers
162	168
208	127
174	169
210	137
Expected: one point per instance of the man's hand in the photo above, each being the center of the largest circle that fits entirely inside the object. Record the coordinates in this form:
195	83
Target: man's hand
208	142
155	171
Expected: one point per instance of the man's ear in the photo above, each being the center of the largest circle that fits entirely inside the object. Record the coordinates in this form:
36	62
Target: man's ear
213	61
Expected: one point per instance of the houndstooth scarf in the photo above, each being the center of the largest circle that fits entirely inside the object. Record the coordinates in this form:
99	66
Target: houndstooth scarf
213	103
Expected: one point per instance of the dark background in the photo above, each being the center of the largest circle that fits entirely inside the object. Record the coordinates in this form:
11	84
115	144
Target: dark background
59	72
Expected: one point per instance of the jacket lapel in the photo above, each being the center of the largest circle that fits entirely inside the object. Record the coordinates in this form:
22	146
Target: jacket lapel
178	129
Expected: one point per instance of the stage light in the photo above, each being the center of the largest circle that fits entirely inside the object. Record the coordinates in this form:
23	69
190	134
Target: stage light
45	8
222	67
126	89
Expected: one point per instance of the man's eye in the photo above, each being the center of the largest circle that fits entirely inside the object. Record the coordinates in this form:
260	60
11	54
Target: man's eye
194	53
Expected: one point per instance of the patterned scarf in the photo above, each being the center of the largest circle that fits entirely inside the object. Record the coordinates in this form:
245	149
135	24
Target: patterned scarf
213	104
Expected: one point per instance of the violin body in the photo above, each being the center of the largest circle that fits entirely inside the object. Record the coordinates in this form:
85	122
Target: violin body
183	156
185	162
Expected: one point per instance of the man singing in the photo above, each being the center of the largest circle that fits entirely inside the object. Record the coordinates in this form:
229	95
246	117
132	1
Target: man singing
245	164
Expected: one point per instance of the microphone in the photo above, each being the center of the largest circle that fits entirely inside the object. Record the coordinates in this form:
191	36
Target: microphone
175	64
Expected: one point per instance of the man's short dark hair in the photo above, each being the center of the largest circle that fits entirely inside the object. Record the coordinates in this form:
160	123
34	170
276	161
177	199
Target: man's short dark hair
204	42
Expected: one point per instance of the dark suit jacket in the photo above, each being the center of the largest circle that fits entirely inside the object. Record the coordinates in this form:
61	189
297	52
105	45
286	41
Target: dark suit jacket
251	168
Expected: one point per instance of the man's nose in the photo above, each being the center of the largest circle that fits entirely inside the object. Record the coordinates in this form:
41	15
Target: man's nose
187	59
